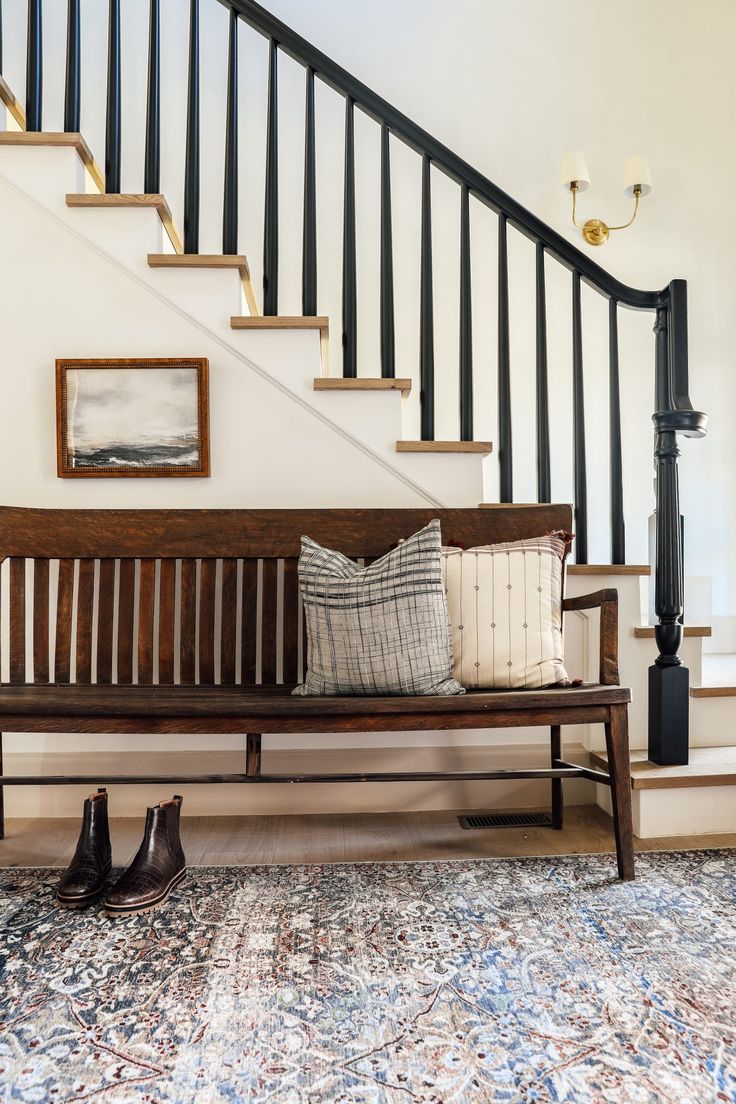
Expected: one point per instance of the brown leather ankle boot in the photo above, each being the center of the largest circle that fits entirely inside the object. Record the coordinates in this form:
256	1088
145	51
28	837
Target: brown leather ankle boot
158	866
84	879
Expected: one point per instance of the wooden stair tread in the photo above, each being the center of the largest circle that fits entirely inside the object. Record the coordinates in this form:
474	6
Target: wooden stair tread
280	322
340	383
609	569
647	631
198	260
14	106
710	766
713	691
481	447
59	139
209	261
131	199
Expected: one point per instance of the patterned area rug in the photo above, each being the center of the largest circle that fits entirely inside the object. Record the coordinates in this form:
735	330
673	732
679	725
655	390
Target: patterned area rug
509	980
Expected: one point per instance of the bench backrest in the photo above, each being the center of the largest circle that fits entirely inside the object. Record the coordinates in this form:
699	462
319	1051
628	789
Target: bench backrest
191	596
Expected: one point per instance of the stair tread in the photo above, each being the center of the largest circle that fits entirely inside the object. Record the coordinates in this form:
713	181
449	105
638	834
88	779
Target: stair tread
280	322
482	447
340	383
59	139
609	569
647	631
708	766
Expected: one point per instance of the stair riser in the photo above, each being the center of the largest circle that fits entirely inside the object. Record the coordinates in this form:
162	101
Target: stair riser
685	811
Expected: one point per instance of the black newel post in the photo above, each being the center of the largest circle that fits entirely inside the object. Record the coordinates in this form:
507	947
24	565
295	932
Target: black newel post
668	677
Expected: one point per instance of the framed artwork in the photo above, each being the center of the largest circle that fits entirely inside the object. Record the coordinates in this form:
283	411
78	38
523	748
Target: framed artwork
132	418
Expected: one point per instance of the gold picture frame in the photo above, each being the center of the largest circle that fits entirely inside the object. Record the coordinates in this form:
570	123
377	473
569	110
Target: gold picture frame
132	418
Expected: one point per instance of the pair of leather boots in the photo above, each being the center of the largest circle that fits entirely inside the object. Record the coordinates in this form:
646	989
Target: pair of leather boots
158	866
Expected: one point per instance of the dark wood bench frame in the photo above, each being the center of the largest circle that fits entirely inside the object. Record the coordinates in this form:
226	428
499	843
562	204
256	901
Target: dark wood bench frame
189	621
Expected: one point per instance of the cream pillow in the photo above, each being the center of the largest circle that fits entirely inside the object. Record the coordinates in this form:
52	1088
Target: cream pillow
505	606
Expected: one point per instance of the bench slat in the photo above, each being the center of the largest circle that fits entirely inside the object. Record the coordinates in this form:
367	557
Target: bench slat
188	656
292	601
126	621
85	611
250	621
41	621
64	603
105	619
228	634
207	601
269	622
17	620
146	610
166	622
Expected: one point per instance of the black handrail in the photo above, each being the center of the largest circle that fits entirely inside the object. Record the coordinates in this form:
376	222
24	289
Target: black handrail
441	156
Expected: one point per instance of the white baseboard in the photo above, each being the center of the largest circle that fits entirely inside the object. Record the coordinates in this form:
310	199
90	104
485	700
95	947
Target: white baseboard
262	798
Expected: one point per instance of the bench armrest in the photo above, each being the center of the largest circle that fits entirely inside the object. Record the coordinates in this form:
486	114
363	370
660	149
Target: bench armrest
607	602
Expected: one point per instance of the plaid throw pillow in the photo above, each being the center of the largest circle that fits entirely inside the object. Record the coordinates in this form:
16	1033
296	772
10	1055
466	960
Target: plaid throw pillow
505	603
381	629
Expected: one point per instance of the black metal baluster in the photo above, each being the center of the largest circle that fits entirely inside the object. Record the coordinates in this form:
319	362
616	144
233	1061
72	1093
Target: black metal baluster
426	319
191	169
349	275
309	236
34	67
72	88
618	534
152	171
112	133
271	216
466	321
230	199
505	436
578	403
544	479
388	333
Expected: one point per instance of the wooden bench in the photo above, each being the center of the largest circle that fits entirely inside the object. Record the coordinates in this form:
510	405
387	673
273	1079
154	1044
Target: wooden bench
190	621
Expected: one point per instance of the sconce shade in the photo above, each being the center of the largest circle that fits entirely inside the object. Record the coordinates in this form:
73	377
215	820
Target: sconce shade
636	172
575	167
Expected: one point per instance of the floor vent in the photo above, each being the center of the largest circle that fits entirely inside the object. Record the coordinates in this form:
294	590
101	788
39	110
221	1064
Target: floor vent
507	820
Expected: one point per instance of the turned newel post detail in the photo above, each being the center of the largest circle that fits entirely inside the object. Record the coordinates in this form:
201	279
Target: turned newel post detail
668	677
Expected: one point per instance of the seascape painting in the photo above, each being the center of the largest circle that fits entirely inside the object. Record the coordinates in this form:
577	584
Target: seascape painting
132	418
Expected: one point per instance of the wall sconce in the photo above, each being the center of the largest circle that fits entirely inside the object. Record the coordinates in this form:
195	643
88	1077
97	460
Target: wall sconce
575	178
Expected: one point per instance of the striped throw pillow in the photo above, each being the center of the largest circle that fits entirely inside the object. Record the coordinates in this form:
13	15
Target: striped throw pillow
505	605
381	629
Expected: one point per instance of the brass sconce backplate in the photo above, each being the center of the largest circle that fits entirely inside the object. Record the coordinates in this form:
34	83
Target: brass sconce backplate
595	232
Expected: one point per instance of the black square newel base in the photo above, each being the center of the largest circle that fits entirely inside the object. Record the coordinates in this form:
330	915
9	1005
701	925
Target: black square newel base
669	715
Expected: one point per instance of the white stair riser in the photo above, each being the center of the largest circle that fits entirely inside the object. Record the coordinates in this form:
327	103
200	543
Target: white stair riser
681	811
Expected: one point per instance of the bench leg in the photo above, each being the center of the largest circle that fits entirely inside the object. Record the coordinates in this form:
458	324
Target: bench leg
556	753
617	746
253	754
2	793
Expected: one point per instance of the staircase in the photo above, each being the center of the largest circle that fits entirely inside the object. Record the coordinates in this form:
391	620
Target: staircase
360	378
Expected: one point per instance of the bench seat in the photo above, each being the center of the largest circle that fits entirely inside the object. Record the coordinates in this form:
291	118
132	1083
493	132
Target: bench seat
278	701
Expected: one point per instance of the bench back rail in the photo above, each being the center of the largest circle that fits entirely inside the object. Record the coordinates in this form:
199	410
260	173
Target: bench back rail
190	597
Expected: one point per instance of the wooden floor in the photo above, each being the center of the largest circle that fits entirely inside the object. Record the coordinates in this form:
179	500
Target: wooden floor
364	837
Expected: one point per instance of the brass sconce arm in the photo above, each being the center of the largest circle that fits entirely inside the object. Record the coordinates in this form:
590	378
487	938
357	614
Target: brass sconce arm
595	231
